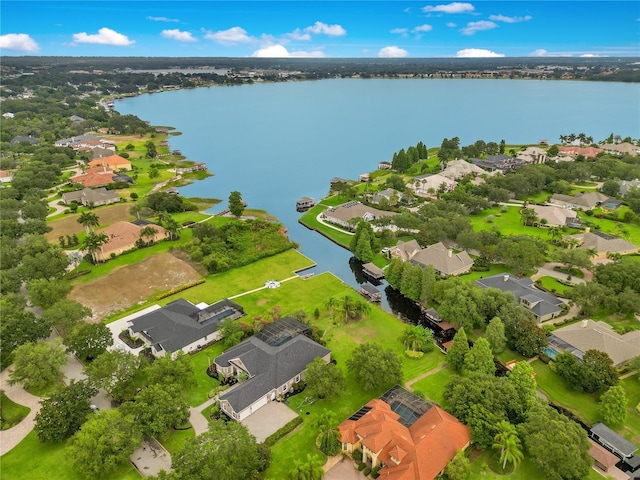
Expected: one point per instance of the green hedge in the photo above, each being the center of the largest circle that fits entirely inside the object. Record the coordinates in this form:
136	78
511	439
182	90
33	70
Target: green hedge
289	427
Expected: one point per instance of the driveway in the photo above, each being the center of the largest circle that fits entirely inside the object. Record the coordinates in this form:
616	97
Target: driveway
122	324
344	470
268	420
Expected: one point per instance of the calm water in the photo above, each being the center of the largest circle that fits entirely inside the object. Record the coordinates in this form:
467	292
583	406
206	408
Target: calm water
278	142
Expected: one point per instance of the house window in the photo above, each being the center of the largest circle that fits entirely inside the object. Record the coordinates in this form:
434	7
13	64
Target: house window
284	389
224	407
344	445
233	414
297	378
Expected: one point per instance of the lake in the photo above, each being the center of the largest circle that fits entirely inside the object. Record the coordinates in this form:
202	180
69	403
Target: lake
278	142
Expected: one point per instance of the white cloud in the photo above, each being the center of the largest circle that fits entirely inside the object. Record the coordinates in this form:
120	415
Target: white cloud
392	52
324	29
18	42
232	36
163	19
451	25
279	51
482	25
178	35
541	52
298	34
400	31
422	28
477	53
455	7
502	18
105	36
589	55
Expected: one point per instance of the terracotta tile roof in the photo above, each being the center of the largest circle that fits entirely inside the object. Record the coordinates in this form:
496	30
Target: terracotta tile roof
112	161
94	177
602	455
419	452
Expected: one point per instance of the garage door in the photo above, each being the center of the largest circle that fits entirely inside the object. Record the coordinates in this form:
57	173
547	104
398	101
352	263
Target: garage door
260	403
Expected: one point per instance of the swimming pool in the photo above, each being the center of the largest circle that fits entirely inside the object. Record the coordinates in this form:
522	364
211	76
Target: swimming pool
550	352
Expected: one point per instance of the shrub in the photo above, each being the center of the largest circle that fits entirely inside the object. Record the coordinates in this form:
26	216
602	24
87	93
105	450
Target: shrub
375	472
362	466
490	218
366	471
173	291
289	427
357	455
413	355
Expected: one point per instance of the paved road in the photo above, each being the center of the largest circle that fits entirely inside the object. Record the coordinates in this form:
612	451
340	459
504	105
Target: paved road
547	270
13	436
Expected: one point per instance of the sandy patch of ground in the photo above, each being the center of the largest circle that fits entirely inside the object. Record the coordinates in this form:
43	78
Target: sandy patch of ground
68	225
131	284
261	302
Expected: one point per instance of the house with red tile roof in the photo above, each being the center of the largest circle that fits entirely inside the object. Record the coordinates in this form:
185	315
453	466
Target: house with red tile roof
420	451
114	162
94	177
572	151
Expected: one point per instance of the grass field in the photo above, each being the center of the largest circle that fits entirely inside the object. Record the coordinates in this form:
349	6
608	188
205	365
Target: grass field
12	413
554	286
433	386
203	383
33	460
309	220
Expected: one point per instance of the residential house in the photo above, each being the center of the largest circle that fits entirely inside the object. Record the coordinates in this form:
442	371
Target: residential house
533	155
552	216
574	151
6	176
76	119
384	165
81	141
101	152
585	335
182	326
114	162
123	237
604	244
91	197
405	250
430	185
456	169
624	148
501	163
364	177
94	177
8	115
346	214
21	139
543	305
445	262
622	448
405	436
193	168
626	185
390	195
584	201
272	360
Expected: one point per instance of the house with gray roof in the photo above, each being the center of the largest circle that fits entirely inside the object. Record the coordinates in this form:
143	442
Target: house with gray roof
348	214
543	305
443	260
554	216
586	200
604	244
91	196
533	155
585	335
626	185
21	139
501	162
272	360
182	326
612	441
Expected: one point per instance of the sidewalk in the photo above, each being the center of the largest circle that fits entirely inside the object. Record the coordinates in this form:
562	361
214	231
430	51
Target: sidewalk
409	383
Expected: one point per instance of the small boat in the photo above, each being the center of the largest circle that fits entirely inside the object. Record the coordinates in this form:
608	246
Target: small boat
304	204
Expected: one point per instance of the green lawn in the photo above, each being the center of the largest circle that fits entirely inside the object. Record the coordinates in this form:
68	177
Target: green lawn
12	413
199	392
177	439
495	269
433	386
631	430
310	221
33	460
554	286
583	405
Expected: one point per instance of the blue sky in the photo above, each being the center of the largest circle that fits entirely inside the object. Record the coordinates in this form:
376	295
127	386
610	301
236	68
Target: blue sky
321	28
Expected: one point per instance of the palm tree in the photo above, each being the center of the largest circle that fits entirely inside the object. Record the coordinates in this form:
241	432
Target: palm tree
148	232
311	469
415	338
509	444
360	309
163	217
172	227
346	305
94	242
529	216
89	221
331	303
556	234
328	435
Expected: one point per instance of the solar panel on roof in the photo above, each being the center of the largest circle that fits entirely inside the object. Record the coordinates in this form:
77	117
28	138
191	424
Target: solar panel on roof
359	414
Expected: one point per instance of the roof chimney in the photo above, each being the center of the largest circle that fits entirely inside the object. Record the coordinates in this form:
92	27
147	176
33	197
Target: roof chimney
585	323
450	253
505	277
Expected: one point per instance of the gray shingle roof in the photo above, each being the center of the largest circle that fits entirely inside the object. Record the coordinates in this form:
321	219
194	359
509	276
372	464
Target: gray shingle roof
180	323
522	288
608	437
269	366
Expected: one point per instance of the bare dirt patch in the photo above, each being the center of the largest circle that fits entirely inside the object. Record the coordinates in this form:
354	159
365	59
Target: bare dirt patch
261	302
68	225
131	284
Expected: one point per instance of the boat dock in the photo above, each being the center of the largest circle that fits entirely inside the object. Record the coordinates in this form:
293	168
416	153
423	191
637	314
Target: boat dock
304	204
